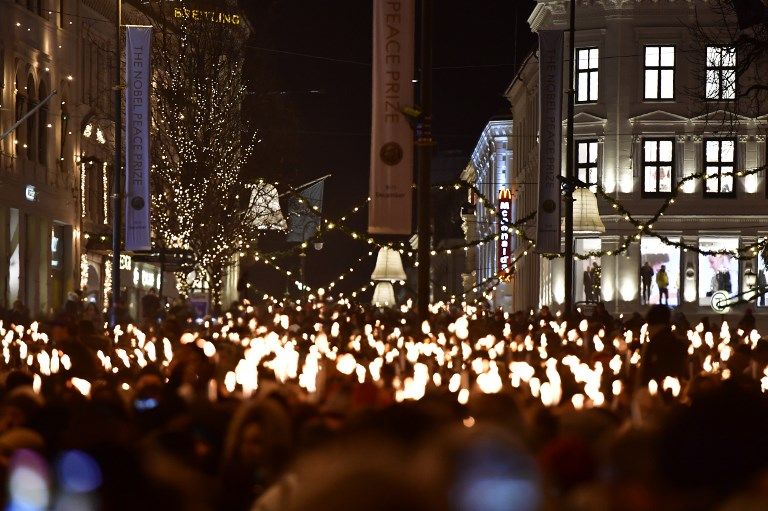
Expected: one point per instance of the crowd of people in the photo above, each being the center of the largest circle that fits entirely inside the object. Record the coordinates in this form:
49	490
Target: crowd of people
341	406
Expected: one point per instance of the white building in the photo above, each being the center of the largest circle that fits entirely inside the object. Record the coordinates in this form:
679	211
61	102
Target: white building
654	105
488	170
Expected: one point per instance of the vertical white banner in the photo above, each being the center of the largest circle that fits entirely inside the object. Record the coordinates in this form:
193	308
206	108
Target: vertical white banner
390	209
138	51
550	140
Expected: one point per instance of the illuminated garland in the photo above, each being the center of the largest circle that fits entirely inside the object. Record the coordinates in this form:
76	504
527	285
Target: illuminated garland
496	279
353	294
288	273
403	248
646	228
107	282
344	274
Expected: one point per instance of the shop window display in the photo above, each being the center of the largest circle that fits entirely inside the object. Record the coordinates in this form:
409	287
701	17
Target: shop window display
761	283
718	272
659	272
588	272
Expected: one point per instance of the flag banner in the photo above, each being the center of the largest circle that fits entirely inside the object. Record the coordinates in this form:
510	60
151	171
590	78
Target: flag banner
304	216
138	51
550	140
265	208
389	211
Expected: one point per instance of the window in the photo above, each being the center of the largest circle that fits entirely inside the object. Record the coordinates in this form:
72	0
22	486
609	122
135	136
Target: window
658	166
721	73
21	98
30	122
64	131
719	269
719	158
42	128
586	74
588	272
586	162
657	259
659	72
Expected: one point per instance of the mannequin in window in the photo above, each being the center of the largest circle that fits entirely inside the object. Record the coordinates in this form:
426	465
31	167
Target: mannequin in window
662	281
646	278
587	282
761	287
723	280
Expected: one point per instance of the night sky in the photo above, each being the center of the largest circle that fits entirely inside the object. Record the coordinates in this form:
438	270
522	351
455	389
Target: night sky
308	64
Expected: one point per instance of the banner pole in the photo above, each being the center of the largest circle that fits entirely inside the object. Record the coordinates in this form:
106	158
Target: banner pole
116	174
568	259
424	143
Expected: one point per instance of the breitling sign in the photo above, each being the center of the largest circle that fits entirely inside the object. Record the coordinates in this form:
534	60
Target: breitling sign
200	15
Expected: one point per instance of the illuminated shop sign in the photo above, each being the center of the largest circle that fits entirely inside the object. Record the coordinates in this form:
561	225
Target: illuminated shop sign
226	18
125	262
504	252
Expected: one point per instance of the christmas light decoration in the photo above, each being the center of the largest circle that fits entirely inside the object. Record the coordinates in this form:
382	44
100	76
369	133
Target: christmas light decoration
200	198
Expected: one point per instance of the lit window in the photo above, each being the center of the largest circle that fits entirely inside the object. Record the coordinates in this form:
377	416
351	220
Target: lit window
721	72
659	72
658	166
586	74
586	162
719	158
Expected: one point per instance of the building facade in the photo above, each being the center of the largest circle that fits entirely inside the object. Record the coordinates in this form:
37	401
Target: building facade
654	105
57	165
40	50
488	171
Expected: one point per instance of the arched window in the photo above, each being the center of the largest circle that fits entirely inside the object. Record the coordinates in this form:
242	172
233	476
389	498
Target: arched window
63	134
30	122
42	126
21	100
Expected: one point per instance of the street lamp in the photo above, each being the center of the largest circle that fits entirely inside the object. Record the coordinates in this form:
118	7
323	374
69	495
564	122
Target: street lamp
388	269
318	242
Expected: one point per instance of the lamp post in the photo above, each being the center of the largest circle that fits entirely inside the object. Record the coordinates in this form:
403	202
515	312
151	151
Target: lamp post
569	181
317	244
424	144
116	213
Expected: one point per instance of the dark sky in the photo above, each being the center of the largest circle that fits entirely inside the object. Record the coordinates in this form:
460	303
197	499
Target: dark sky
309	67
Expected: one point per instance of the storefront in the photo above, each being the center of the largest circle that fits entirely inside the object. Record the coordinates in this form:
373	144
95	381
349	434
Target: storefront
662	270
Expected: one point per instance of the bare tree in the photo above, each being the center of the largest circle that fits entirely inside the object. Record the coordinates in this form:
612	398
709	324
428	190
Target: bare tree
740	29
201	141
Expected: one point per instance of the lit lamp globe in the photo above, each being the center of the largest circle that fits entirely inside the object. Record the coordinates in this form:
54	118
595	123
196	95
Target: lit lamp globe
383	294
389	266
388	269
586	216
